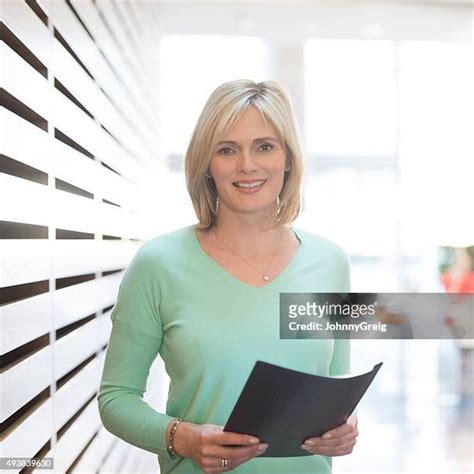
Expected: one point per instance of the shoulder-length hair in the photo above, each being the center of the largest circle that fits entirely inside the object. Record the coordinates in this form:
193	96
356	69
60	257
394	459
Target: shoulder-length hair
223	108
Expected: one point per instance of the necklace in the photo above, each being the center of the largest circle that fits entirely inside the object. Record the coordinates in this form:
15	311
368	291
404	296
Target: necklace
264	274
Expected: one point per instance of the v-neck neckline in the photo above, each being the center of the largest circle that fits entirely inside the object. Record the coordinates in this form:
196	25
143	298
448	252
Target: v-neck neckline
231	278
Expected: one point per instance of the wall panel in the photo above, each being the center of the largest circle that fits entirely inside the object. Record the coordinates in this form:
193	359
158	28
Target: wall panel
78	160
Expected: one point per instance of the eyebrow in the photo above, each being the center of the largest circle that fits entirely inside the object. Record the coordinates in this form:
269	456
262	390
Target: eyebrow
257	140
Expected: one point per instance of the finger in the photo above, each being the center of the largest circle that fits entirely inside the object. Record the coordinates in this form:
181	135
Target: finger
217	465
230	438
340	430
241	460
238	457
244	459
327	436
337	443
343	450
330	439
353	420
240	452
334	442
333	451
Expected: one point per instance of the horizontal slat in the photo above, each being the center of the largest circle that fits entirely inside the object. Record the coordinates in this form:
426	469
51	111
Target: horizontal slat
96	452
138	80
116	458
89	14
102	256
76	302
64	162
26	260
84	47
73	395
80	85
19	17
75	438
25	263
77	125
24	82
134	459
139	36
32	434
144	19
88	52
24	381
13	127
71	166
35	205
146	463
72	121
25	320
69	72
131	64
112	154
77	346
46	206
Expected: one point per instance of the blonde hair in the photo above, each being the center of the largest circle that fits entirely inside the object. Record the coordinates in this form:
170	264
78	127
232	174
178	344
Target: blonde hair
223	108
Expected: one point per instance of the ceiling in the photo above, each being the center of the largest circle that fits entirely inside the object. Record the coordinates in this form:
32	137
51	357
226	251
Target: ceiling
388	2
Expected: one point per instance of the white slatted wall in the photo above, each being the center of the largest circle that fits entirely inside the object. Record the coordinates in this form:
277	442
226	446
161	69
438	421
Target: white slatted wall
78	147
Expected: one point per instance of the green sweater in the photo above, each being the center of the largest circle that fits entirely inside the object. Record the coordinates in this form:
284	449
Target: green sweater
209	328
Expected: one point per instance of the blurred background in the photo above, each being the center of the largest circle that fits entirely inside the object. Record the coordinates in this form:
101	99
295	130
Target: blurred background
99	99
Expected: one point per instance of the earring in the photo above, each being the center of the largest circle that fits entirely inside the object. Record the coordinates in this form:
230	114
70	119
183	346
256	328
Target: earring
208	176
278	206
217	206
288	169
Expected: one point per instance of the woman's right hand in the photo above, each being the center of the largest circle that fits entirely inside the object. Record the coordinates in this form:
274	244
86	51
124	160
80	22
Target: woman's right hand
208	444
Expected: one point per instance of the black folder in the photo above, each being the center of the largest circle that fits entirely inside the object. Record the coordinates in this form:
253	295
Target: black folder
284	407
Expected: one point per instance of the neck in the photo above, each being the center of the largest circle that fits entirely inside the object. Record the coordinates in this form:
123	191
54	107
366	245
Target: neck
249	234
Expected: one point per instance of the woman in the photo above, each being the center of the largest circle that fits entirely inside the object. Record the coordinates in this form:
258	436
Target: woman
206	297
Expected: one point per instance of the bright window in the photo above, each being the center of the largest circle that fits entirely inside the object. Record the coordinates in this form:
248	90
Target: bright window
191	67
350	94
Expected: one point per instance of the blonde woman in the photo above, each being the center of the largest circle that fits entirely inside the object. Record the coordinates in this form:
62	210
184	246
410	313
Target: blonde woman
206	297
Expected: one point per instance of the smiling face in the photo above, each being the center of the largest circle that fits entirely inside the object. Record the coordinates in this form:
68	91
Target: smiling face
248	166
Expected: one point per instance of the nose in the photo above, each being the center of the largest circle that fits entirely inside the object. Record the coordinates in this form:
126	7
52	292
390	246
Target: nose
245	162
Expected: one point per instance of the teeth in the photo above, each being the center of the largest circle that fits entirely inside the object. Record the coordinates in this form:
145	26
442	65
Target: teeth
251	185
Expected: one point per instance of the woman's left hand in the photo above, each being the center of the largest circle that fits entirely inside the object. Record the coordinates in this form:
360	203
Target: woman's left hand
336	442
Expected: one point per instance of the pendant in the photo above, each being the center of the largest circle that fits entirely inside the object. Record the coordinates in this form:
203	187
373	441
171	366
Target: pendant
266	278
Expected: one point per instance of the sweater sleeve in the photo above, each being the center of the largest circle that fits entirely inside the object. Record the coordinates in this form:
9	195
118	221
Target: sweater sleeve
341	358
135	342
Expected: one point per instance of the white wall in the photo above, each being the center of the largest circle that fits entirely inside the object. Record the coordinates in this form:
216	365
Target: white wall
80	171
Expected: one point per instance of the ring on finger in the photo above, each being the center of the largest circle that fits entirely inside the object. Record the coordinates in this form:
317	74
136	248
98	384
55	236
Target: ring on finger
225	464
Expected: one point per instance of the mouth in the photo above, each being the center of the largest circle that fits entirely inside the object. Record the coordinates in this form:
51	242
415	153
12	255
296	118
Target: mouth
256	183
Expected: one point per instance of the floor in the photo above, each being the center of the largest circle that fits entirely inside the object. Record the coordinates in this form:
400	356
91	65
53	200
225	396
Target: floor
418	416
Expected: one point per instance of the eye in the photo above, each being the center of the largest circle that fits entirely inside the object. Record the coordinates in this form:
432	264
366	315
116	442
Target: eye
267	146
225	151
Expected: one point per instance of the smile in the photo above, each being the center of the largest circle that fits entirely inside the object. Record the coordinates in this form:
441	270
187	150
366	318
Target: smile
249	185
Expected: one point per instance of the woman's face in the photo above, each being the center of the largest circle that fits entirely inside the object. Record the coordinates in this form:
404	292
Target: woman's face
249	154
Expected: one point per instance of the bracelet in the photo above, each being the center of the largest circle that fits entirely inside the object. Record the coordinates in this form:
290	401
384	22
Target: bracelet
170	447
